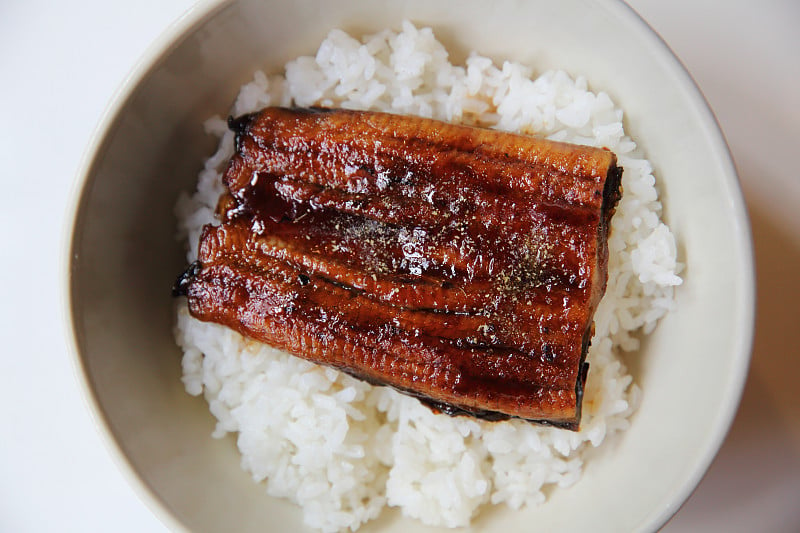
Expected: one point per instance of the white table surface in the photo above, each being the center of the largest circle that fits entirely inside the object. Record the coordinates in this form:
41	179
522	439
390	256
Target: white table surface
60	63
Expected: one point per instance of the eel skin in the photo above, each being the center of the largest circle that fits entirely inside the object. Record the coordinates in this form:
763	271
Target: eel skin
460	265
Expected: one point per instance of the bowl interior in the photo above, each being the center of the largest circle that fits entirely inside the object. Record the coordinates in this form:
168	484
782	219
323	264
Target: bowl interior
123	256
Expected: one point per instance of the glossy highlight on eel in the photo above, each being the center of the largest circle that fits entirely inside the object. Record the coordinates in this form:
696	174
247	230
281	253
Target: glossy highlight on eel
457	264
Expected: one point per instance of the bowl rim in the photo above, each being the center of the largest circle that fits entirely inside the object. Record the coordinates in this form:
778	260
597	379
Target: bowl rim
169	38
197	14
745	319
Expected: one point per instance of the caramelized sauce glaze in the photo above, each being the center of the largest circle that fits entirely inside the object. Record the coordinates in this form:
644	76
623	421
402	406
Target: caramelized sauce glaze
457	264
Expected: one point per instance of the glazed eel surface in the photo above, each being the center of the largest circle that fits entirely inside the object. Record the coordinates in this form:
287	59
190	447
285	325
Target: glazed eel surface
457	264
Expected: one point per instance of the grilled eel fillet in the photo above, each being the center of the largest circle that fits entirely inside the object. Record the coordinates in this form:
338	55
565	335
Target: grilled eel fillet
460	265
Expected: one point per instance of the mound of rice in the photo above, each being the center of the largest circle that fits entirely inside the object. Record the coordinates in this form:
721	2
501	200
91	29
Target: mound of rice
343	449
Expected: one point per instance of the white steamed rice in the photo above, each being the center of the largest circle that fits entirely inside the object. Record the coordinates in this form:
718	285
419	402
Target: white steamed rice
343	449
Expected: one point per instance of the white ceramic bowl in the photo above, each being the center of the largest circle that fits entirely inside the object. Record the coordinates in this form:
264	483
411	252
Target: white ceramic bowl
122	256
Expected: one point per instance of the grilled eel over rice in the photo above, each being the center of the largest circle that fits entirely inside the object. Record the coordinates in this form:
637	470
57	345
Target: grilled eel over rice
460	265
